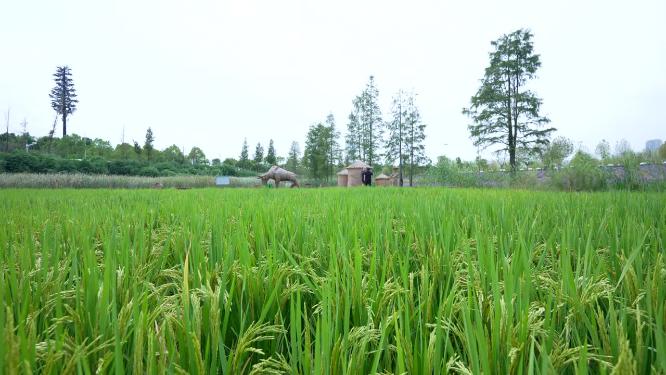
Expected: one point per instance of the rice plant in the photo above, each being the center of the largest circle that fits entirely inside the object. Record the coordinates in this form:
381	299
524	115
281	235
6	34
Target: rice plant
332	281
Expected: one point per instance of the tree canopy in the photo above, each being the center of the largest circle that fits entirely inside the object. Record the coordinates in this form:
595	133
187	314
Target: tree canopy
63	95
504	111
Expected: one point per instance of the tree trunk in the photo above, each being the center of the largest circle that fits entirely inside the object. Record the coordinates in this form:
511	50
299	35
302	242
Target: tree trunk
400	142
511	141
64	124
411	154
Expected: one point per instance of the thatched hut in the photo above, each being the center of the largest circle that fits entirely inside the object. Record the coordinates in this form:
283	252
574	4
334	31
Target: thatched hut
342	177
354	173
383	180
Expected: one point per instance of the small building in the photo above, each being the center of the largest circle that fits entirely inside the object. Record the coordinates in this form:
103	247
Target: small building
342	177
354	173
383	180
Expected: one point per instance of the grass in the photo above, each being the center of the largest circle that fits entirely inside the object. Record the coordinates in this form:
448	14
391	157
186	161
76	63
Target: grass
88	181
332	281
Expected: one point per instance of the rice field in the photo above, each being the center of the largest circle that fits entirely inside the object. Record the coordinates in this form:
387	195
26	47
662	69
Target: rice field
332	281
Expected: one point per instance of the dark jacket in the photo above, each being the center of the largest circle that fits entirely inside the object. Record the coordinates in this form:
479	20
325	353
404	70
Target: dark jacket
366	177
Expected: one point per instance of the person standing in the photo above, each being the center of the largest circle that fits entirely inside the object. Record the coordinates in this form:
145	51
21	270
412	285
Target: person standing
366	176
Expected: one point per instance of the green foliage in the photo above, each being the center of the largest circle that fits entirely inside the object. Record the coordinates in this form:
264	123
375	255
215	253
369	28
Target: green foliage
173	154
271	158
365	129
148	147
435	281
36	162
583	173
504	111
322	151
406	135
448	172
556	151
662	151
63	95
603	150
197	156
632	178
244	159
258	154
293	163
315	156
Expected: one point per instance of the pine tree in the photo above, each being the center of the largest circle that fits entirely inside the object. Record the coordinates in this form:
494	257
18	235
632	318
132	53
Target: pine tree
353	136
271	159
244	159
137	148
365	129
148	145
294	155
406	138
395	144
316	151
333	147
415	138
258	154
372	126
504	112
63	95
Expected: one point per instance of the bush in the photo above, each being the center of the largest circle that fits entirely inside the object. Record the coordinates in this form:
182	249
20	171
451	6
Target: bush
632	178
149	172
18	162
124	167
583	173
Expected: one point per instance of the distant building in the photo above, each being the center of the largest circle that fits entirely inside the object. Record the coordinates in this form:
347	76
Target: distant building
653	145
353	174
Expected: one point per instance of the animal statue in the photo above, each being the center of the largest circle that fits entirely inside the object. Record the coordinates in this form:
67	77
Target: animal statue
278	174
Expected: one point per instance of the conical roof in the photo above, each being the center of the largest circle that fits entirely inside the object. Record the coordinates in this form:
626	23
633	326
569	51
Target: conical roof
382	177
357	165
343	172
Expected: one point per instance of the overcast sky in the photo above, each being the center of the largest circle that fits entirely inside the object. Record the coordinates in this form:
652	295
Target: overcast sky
210	73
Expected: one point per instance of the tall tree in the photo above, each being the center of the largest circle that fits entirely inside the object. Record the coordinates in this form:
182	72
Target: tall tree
405	143
316	151
244	158
258	153
294	156
271	159
197	156
372	126
173	153
603	150
63	95
148	144
137	148
7	131
558	150
415	140
504	111
365	129
395	144
333	147
354	134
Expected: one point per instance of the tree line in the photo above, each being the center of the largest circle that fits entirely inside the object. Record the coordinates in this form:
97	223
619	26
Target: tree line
505	115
